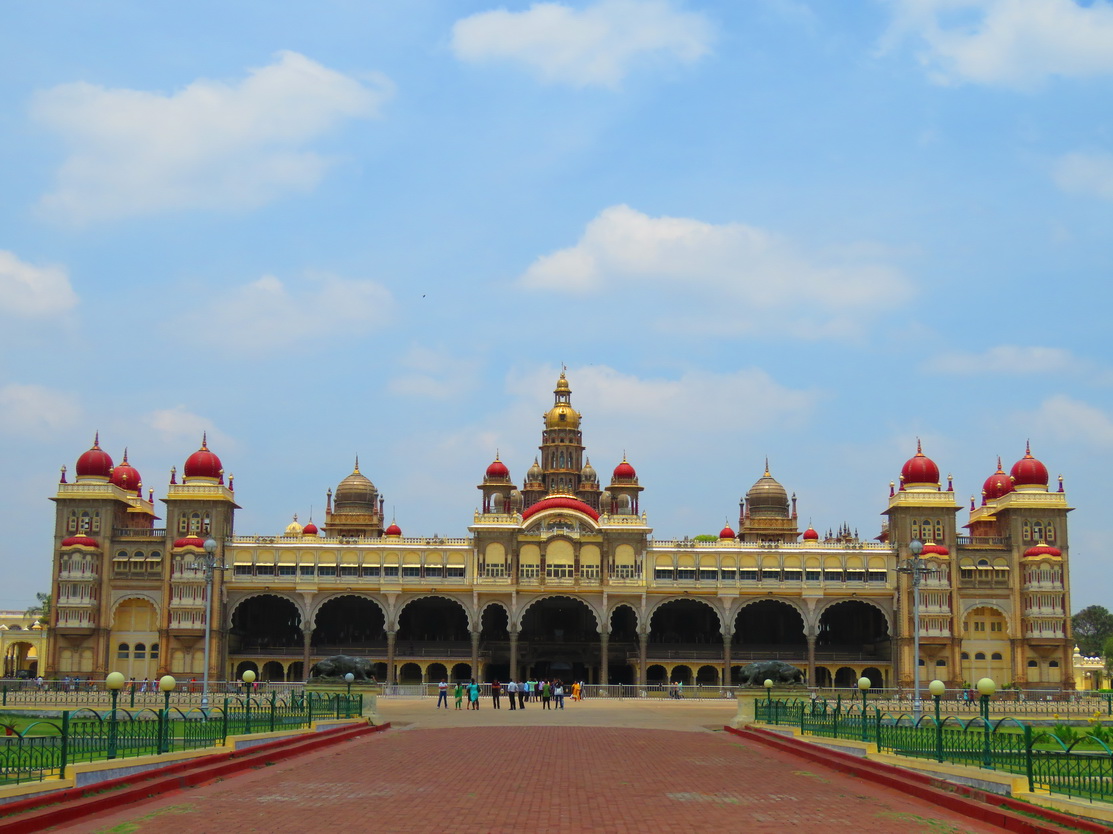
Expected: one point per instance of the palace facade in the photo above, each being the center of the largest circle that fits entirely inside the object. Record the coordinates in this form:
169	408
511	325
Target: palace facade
561	576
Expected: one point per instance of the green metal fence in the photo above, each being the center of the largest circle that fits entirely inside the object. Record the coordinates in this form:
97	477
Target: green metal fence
45	748
1082	768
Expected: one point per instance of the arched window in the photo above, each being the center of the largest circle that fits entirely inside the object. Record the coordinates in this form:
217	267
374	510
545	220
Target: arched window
1026	531
140	651
941	662
122	651
996	656
1037	530
1033	664
966	655
154	651
979	656
1053	664
1049	531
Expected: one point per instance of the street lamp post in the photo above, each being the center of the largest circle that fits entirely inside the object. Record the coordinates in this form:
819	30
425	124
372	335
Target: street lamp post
248	679
937	688
986	687
864	684
348	678
166	684
114	682
769	700
916	568
207	564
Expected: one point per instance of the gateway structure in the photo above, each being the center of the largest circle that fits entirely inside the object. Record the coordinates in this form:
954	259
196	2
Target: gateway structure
560	575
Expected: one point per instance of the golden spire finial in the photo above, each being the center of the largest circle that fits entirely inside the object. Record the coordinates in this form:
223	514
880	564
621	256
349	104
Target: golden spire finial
356	470
205	441
767	475
96	439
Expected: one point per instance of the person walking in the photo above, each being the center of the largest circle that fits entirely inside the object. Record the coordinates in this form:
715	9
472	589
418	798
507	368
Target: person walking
529	689
496	691
473	695
512	692
522	695
576	690
546	695
458	692
558	694
442	694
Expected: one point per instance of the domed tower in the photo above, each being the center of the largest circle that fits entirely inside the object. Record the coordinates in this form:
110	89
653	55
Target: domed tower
562	443
589	490
765	514
624	489
533	490
356	509
497	487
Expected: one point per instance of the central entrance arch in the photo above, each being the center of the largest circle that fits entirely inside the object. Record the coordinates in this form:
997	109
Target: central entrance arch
559	638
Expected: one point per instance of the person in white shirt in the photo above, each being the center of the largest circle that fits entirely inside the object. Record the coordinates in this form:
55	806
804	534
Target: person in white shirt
512	691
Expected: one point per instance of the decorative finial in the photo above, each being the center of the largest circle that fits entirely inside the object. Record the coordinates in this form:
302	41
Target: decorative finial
63	480
971	503
231	483
205	441
767	466
892	488
999	469
125	460
1060	483
96	439
150	496
356	470
950	482
173	474
1028	448
919	448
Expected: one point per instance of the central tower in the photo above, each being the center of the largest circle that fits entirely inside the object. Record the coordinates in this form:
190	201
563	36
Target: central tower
562	448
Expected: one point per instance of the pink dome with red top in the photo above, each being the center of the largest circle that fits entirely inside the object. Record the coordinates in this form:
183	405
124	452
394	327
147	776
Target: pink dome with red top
997	484
624	471
203	463
95	463
80	540
392	530
1042	549
726	533
562	502
190	541
810	535
497	469
126	476
919	469
309	529
933	549
1028	471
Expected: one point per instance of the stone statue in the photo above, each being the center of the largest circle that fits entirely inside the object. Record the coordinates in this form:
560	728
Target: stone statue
756	674
337	666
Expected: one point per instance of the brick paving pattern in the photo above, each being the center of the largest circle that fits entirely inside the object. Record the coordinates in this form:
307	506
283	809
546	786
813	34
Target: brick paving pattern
538	780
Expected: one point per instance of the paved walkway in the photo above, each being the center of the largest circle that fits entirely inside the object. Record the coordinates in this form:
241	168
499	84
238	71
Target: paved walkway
598	766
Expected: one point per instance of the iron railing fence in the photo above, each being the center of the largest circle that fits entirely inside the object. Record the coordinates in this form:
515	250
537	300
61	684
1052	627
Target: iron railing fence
46	747
1076	764
90	692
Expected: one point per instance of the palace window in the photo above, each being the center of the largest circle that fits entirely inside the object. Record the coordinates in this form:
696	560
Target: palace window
979	656
877	576
812	576
326	570
411	572
287	570
370	570
154	651
706	575
307	570
770	576
996	656
792	575
122	651
140	651
436	572
454	573
747	575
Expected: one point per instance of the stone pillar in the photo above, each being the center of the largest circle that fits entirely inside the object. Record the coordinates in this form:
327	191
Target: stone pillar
604	658
811	660
307	636
390	635
725	680
643	653
513	655
475	655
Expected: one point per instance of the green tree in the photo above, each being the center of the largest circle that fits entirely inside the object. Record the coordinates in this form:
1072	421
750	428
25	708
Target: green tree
41	609
1092	626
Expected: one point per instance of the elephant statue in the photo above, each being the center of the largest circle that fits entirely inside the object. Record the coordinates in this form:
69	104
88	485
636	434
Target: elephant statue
756	674
339	665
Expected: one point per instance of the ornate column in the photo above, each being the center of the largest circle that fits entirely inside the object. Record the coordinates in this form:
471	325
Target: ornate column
728	636
307	636
390	635
643	653
604	658
513	655
811	660
475	655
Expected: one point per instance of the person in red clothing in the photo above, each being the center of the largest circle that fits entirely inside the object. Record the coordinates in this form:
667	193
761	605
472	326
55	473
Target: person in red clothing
496	691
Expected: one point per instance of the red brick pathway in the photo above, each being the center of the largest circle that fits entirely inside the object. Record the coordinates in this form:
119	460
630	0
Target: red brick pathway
538	780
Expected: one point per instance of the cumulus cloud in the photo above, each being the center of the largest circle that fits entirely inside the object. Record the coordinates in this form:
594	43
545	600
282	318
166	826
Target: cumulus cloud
596	46
749	274
433	374
211	145
1085	173
1072	420
36	410
1005	359
267	313
29	290
1012	43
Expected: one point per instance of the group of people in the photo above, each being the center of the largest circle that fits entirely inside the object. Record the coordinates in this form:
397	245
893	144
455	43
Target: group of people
550	693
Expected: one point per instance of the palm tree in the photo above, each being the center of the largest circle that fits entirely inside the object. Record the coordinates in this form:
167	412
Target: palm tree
41	609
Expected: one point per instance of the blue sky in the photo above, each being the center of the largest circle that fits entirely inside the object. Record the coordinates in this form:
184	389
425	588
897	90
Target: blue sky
812	231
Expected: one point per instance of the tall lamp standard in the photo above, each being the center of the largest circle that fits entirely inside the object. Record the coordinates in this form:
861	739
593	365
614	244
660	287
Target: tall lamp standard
348	678
166	684
769	700
986	687
114	682
937	688
207	564
864	685
916	568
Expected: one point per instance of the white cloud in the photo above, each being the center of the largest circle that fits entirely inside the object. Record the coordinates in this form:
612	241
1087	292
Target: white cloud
267	313
28	290
1071	420
433	374
36	410
737	276
1005	359
180	427
593	47
1012	43
1085	173
211	145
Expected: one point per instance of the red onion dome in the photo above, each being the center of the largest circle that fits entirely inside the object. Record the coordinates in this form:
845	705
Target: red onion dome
933	549
1042	549
997	484
203	463
95	463
1028	471
80	540
726	533
919	469
497	470
562	502
309	529
810	535
624	471
126	476
190	541
392	530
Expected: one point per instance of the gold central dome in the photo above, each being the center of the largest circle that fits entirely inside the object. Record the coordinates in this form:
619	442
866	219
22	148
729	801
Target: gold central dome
562	415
